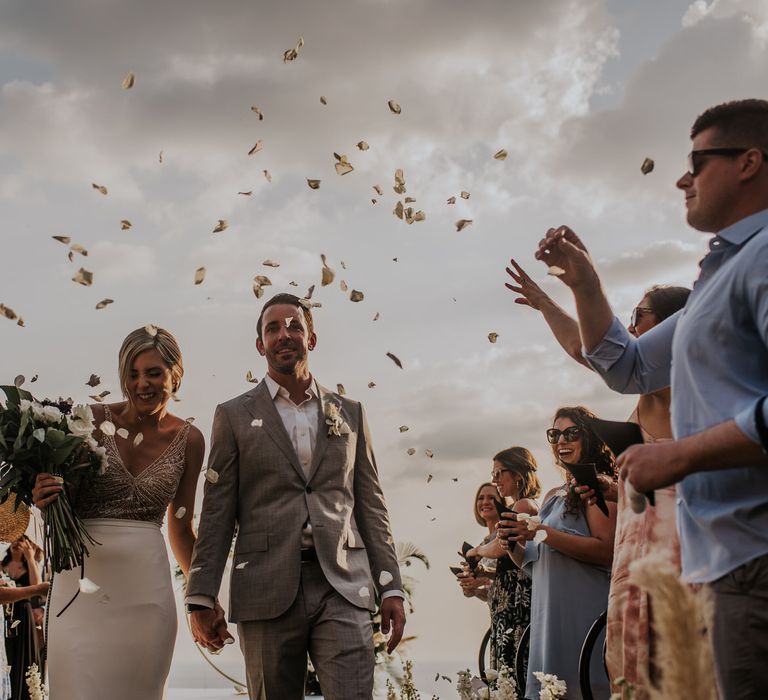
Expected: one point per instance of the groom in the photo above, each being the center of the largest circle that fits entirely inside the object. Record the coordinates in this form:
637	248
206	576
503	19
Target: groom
291	465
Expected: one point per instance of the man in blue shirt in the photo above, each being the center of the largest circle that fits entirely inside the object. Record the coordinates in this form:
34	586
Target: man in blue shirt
714	353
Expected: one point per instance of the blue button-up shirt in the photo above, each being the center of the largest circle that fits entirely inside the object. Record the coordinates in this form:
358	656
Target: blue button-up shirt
714	353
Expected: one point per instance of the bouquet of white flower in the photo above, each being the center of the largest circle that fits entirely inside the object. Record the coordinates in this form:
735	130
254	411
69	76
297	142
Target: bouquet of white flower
54	437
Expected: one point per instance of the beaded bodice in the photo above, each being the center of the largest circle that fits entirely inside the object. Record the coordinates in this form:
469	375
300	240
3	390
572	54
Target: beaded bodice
119	494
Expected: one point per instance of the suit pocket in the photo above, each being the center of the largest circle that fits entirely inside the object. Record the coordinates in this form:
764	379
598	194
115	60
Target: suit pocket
251	542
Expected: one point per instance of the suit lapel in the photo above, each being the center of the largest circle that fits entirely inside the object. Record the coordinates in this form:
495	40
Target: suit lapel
259	404
321	442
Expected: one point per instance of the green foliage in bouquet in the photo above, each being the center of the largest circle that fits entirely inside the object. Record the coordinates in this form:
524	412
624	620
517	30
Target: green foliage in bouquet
53	437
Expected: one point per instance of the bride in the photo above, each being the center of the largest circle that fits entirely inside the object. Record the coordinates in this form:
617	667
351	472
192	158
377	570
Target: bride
116	637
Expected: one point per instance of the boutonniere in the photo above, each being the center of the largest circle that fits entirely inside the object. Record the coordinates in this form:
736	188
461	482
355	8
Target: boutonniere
333	419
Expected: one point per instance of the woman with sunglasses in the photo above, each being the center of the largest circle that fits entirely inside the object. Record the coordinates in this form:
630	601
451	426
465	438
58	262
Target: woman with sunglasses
514	476
568	555
629	633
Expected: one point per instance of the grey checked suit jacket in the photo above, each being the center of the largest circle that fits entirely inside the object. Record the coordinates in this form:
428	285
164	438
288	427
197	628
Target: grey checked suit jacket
262	489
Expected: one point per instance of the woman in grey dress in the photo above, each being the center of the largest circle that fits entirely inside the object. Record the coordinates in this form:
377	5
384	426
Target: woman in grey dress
571	567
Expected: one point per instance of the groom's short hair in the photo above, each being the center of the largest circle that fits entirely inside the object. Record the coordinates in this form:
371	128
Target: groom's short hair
285	298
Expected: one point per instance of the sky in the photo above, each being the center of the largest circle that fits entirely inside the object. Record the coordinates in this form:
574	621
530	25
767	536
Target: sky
578	92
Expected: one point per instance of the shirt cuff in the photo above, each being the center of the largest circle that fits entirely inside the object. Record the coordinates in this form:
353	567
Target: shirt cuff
203	600
610	349
745	421
392	594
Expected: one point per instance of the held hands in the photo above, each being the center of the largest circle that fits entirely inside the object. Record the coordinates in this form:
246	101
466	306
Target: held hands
511	530
562	248
392	617
47	489
209	628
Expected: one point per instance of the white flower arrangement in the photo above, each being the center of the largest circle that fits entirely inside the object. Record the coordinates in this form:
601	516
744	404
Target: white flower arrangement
502	685
37	691
552	688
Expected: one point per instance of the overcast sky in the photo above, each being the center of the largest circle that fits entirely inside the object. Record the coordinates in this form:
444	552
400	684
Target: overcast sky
578	92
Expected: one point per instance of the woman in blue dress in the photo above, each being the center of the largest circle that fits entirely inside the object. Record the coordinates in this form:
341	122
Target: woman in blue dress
571	566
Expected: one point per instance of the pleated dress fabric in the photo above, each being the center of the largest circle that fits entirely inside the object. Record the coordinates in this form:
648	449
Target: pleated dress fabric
117	642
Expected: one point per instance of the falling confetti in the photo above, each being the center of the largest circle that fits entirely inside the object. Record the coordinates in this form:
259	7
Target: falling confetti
82	276
257	112
429	476
125	224
211	476
256	147
385	578
647	166
77	248
395	359
399	186
19	381
151	329
555	271
356	295
267	176
343	286
270	263
180	513
328	273
62	239
398	210
257	422
292	283
128	81
310	292
362	146
323	101
465	195
160	157
313	184
411	451
429	453
104	303
138	439
394	107
403	428
199	275
100	188
94	380
500	155
340	389
343	166
376	188
122	432
250	378
364	592
293	54
451	200
461	224
223	224
241	565
98	398
108	428
371	385
376	316
248	193
493	337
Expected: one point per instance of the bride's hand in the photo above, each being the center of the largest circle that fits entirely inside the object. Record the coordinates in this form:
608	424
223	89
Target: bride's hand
47	489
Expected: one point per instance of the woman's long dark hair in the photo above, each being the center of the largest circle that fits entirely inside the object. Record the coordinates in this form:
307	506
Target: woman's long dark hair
593	450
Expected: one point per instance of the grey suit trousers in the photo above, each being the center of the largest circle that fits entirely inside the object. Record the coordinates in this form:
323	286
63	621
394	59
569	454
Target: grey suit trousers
337	635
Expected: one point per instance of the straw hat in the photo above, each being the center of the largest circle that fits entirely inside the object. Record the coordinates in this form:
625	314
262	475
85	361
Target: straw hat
13	523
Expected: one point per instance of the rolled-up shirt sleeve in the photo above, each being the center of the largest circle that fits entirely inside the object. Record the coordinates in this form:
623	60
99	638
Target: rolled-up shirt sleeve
747	423
632	365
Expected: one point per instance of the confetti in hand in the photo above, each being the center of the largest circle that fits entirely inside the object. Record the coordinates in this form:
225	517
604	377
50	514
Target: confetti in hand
128	81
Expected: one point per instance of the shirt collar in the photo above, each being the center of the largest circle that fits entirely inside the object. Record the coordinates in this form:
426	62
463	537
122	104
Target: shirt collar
274	389
739	232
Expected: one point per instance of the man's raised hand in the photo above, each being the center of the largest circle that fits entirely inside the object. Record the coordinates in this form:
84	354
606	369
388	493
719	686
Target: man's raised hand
562	248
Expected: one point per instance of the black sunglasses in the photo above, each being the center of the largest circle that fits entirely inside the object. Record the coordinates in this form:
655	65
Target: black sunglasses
637	314
697	158
570	434
496	473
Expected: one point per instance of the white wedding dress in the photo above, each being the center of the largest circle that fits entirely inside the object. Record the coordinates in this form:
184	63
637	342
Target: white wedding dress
117	642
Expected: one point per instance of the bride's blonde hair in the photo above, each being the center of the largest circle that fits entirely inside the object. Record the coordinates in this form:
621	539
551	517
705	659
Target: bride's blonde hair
141	340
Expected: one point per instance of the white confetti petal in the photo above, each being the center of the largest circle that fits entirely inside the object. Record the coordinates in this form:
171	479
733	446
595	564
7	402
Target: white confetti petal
212	476
364	592
137	440
555	271
123	433
242	565
108	428
180	513
385	577
540	536
196	568
257	422
15	624
87	586
39	434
